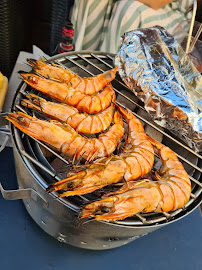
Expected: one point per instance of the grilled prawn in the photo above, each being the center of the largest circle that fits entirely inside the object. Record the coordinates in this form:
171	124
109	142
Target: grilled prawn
89	85
81	122
63	93
66	140
134	162
171	191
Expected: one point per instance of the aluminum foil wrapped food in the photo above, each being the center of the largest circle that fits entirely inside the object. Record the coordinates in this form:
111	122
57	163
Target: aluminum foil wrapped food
155	67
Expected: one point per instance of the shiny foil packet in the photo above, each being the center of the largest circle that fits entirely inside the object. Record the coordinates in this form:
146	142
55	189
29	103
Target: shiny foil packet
155	67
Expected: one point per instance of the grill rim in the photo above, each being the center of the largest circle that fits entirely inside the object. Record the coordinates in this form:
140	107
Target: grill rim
122	223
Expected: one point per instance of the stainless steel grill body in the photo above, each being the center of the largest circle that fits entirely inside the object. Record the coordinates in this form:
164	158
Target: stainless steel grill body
59	217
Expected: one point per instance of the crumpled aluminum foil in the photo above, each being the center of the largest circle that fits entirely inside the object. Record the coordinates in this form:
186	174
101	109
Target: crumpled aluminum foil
155	67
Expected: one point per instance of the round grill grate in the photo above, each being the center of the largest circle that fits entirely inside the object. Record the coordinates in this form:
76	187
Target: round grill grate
52	166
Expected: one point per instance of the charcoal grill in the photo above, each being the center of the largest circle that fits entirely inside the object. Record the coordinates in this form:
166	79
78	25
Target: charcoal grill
35	169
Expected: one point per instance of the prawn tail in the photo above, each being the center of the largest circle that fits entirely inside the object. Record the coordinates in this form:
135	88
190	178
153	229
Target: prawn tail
118	118
155	143
125	112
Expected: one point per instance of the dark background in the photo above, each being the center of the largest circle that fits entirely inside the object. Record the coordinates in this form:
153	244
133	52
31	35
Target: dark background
25	23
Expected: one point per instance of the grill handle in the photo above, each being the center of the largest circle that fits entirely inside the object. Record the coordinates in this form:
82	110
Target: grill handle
4	130
23	194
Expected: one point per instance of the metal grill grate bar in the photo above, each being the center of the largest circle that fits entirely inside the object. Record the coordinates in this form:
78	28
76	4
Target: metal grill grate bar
40	165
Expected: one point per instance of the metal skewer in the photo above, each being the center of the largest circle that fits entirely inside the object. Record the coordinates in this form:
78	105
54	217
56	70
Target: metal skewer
195	38
191	26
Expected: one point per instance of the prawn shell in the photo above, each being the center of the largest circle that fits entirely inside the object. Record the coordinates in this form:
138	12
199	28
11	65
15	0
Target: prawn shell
61	92
86	85
65	139
81	122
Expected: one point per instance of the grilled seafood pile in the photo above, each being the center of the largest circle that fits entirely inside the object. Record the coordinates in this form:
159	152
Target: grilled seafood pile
84	106
66	94
79	107
170	191
133	162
